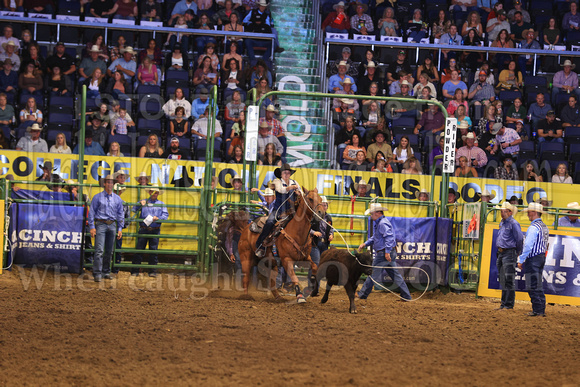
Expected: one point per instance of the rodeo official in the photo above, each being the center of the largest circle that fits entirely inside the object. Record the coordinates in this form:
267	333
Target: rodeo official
509	244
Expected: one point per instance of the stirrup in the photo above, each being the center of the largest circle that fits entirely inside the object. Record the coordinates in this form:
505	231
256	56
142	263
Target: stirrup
261	252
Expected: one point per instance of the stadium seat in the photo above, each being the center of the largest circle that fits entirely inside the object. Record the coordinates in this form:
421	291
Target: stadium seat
572	135
509	95
177	76
51	137
125	143
60	118
574	152
148	89
535	80
145	126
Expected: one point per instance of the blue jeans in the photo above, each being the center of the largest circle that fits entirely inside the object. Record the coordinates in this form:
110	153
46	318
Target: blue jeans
534	269
395	275
118	254
142	244
267	229
184	43
315	253
201	42
104	242
506	268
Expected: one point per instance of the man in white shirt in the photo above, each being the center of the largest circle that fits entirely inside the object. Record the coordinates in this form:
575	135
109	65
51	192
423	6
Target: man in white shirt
200	129
495	25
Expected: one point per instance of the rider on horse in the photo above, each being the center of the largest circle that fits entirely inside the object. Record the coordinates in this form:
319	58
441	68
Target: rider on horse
284	188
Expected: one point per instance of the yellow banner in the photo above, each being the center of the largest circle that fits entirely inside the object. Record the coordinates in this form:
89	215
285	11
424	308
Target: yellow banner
2	234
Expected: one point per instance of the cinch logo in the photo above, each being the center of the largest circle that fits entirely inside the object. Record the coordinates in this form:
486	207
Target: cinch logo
42	239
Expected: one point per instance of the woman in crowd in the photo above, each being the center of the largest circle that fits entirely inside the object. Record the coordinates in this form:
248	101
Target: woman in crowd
388	25
416	28
32	55
270	157
232	54
58	84
428	68
458	100
177	60
374	91
205	76
473	22
179	126
30	82
260	72
452	66
203	40
424	81
152	52
118	86
261	89
60	145
464	169
460	114
232	78
371	115
102	113
237	134
234	26
510	79
360	163
412	166
31	112
562	175
147	73
115	150
486	122
450	87
503	40
441	25
237	156
26	40
151	149
369	57
530	173
96	84
209	50
403	151
178	99
116	50
351	150
472	59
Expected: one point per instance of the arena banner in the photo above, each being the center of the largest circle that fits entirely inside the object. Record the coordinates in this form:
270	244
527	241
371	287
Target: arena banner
2	234
422	243
47	235
561	271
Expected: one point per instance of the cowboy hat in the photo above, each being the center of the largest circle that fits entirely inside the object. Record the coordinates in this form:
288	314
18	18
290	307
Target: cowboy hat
487	193
507	206
526	32
128	49
47	165
155	188
536	207
340	4
144	174
262	3
405	83
469	135
70	184
371	64
343	63
34	126
95	48
361	4
515	198
542	199
463	125
454	192
285	167
103	179
496	128
574	206
271	108
347	81
361	182
347	101
236	177
119	188
374	207
423	191
264	125
7	61
568	62
268	192
8	43
377	133
507	156
324	200
119	173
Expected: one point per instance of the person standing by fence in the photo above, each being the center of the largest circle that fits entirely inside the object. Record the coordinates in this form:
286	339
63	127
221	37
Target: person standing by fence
533	258
509	244
106	217
151	212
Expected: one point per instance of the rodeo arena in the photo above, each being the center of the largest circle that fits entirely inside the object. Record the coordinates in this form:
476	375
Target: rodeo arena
290	192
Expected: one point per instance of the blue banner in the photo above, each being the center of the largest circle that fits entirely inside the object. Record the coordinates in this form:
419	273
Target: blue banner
47	235
561	271
422	243
41	195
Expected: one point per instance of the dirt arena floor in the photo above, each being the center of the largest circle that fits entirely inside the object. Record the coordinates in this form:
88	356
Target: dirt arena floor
156	332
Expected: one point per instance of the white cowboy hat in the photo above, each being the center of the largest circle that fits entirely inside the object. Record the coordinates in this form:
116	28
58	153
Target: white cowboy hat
540	200
362	182
269	192
487	193
108	177
405	83
467	136
263	3
537	207
507	206
340	4
423	191
271	108
128	49
324	200
155	188
119	173
374	207
236	177
95	48
574	206
346	81
463	125
347	101
370	64
8	43
568	62
34	126
343	63
144	174
119	188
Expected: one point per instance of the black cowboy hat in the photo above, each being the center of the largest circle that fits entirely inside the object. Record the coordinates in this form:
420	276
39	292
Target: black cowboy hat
454	192
375	134
515	198
286	167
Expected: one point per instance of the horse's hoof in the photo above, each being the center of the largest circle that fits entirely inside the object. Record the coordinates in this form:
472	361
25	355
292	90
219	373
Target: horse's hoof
300	299
353	311
279	299
246	297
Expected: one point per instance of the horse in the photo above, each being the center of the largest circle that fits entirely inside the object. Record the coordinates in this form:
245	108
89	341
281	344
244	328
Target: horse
293	244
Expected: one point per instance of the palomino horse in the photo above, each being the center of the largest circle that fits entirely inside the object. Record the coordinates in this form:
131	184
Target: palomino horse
293	243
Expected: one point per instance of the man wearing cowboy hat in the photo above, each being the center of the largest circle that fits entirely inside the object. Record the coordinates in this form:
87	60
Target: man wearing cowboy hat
570	114
452	196
475	154
32	141
565	80
507	139
486	196
151	211
284	188
143	178
337	21
529	43
404	108
371	76
385	246
124	64
572	219
509	244
266	198
361	23
7	37
88	65
274	125
10	53
334	82
352	70
265	138
396	86
379	145
362	189
322	234
46	171
533	258
106	209
120	177
62	60
92	148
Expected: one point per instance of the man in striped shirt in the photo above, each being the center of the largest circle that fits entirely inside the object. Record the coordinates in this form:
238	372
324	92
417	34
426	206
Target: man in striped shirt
533	258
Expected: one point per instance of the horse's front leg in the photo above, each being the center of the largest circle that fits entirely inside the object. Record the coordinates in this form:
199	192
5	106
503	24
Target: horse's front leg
288	265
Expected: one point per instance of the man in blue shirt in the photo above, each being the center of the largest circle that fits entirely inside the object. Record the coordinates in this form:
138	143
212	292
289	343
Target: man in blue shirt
509	244
106	218
92	148
533	258
124	64
154	210
335	81
572	219
384	244
266	198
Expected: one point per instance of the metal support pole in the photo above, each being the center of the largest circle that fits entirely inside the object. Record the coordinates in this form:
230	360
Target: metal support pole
82	140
